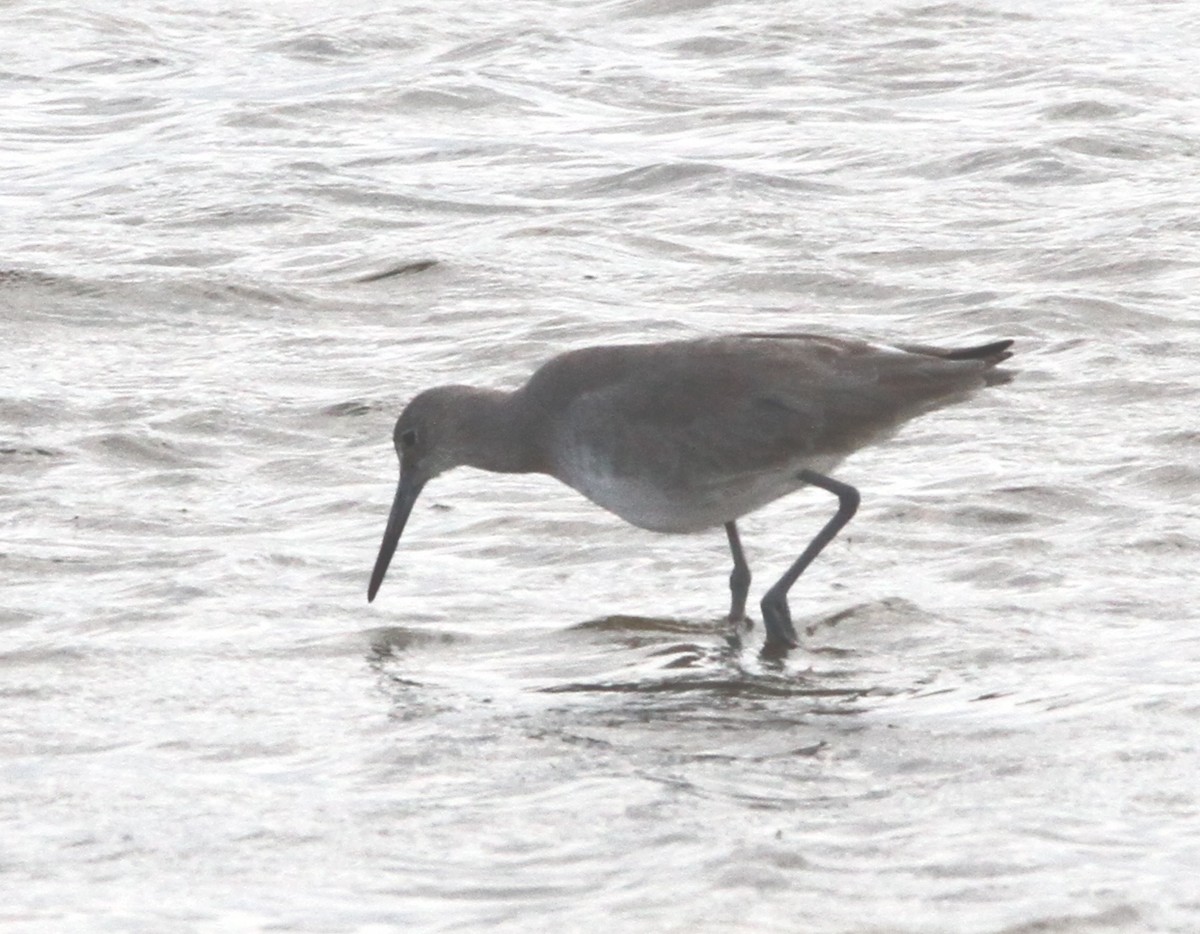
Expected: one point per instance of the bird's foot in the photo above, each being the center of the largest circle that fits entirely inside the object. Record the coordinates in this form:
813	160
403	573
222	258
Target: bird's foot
777	620
775	651
736	627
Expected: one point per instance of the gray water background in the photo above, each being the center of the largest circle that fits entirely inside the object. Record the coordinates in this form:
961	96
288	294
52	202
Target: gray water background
236	239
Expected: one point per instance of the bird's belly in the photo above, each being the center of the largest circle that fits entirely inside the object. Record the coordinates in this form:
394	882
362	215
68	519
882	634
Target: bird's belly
691	507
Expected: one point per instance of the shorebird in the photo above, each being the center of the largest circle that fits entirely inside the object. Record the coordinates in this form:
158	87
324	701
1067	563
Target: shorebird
689	435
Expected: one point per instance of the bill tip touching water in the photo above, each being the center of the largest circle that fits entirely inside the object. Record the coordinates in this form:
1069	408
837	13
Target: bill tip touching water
689	435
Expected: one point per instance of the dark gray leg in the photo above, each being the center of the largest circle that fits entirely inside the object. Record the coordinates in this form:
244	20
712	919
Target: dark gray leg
739	577
777	618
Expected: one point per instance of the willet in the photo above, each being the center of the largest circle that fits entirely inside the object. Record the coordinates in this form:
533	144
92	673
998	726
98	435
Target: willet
689	435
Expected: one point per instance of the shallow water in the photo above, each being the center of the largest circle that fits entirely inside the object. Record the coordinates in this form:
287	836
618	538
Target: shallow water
237	241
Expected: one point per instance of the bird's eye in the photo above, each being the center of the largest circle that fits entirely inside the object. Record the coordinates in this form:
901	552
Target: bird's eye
408	438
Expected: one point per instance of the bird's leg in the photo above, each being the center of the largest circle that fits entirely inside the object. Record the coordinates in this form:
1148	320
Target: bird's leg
777	618
739	577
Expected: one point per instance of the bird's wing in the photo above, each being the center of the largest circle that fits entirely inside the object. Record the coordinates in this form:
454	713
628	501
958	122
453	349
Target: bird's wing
688	425
726	408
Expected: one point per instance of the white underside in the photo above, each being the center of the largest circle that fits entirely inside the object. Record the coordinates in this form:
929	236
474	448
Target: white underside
652	506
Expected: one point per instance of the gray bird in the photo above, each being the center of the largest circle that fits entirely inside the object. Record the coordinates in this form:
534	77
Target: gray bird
688	435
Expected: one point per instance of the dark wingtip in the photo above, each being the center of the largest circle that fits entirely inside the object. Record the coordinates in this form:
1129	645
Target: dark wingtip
987	354
992	353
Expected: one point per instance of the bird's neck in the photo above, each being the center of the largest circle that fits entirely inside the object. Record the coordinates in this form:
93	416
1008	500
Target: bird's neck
499	434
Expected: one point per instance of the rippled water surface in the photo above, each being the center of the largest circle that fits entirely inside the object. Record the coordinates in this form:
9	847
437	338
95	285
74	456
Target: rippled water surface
238	238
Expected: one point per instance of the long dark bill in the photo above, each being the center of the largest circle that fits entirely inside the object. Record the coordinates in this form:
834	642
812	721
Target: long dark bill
406	495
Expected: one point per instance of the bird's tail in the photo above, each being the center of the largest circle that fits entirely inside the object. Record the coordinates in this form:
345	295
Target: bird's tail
990	355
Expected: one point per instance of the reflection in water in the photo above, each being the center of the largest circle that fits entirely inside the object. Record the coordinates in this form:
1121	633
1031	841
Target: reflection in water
388	641
643	656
